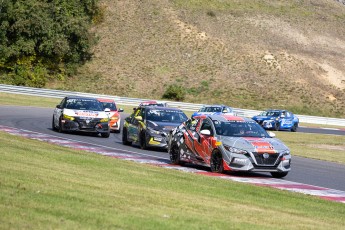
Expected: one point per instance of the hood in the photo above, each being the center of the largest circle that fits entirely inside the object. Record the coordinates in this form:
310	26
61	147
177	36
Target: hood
85	113
263	118
162	126
255	144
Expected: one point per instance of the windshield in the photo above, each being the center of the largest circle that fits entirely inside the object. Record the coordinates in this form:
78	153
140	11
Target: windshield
270	113
213	109
109	105
84	104
239	129
166	115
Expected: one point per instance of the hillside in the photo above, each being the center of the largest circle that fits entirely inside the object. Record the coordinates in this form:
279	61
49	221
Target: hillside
253	54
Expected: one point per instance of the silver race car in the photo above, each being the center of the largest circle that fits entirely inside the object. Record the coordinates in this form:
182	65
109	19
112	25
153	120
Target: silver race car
229	143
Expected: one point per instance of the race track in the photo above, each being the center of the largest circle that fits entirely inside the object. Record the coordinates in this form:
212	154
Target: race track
307	171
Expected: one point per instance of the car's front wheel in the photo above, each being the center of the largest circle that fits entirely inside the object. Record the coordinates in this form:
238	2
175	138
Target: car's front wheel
105	135
175	156
294	127
276	126
60	125
279	174
53	125
217	162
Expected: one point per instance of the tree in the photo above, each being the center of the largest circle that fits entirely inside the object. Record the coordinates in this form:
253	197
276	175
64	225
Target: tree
42	39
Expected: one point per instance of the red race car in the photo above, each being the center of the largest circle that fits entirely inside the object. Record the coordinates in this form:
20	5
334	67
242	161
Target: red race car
114	114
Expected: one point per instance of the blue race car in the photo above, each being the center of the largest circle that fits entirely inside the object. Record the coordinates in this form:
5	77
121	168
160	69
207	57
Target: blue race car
277	120
214	110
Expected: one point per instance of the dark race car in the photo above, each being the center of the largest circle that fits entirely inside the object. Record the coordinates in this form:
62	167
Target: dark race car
82	114
149	125
276	119
229	143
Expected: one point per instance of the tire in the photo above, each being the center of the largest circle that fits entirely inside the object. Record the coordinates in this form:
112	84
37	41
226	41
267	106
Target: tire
53	125
105	135
175	156
279	174
217	162
142	140
125	138
294	127
276	126
60	125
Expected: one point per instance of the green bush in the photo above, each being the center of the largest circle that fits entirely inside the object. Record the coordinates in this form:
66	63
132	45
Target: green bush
174	92
49	36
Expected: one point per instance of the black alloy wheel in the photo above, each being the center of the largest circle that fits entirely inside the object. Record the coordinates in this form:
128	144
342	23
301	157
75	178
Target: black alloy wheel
175	156
60	125
105	135
294	127
217	162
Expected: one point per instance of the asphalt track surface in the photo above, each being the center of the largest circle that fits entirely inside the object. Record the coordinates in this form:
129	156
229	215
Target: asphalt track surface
304	170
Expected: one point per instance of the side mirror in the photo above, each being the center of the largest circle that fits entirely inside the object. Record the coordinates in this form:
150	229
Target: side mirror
139	118
271	134
121	110
205	132
58	106
134	109
107	110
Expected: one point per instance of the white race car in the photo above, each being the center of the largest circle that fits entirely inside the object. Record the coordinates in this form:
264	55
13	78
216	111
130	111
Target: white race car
81	114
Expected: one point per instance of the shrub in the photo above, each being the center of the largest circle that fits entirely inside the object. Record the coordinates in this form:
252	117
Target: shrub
174	92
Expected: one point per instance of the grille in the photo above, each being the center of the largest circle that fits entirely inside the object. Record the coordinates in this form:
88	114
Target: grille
87	125
271	160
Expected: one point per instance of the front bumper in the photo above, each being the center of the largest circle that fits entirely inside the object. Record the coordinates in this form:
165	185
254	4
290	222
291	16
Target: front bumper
255	162
85	125
115	126
157	140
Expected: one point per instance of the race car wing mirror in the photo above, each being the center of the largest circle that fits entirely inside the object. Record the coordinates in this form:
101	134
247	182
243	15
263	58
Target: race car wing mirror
121	110
58	106
271	134
205	132
139	118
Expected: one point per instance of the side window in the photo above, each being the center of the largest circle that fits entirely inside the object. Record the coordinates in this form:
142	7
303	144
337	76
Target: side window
191	124
206	125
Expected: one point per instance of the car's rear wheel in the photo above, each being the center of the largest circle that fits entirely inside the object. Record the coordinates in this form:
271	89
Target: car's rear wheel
125	137
279	174
217	162
142	140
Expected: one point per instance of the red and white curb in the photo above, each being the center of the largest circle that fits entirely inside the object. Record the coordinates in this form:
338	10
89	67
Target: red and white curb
324	193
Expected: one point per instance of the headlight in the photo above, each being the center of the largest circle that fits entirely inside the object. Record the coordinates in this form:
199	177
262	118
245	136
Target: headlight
285	152
114	118
104	120
235	150
151	130
66	117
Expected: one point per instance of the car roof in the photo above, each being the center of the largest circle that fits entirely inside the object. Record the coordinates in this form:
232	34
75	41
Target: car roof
225	117
106	100
80	97
215	106
160	107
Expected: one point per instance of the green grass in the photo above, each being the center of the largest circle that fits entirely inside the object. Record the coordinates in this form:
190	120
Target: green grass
44	186
315	146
